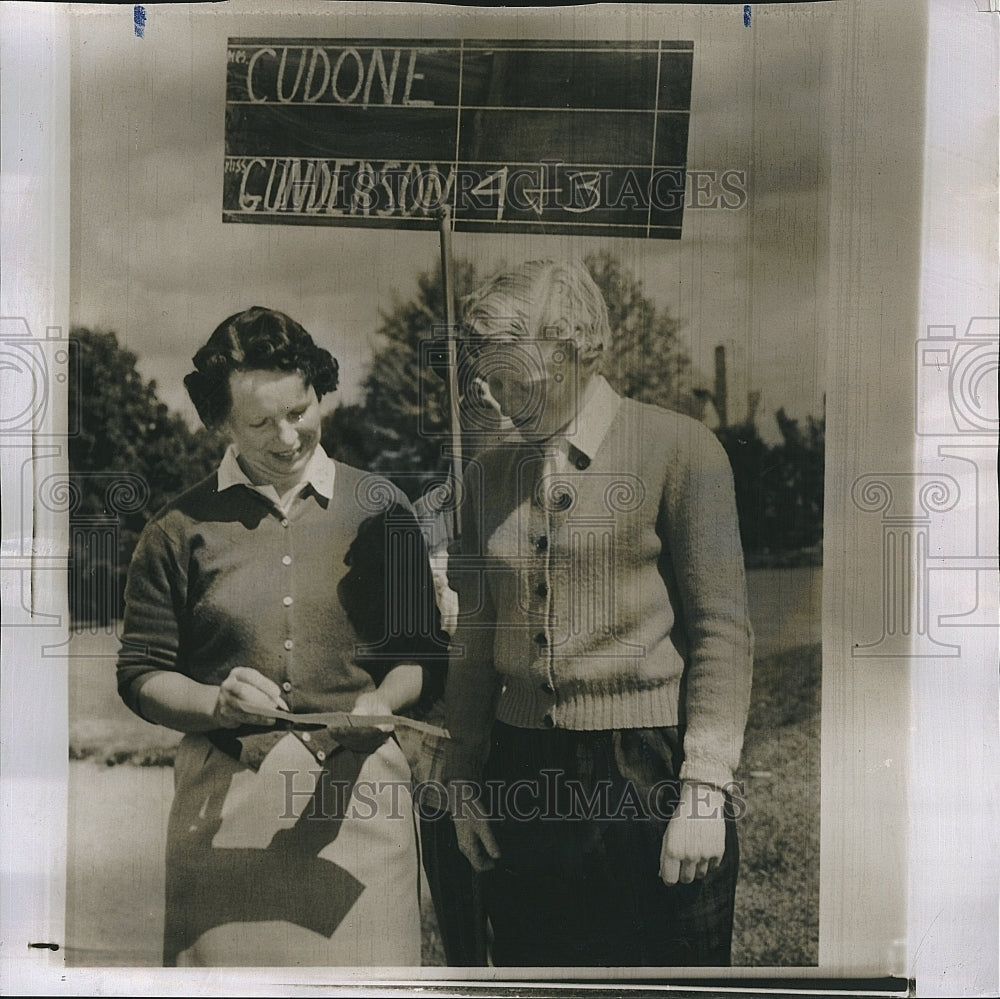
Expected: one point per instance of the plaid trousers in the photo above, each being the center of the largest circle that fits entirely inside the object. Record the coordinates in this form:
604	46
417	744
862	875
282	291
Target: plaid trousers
580	817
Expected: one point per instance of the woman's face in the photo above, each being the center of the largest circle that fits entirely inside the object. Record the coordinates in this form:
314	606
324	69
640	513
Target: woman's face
275	424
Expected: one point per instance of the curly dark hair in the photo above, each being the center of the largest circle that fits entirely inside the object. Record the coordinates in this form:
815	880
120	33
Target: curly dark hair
256	339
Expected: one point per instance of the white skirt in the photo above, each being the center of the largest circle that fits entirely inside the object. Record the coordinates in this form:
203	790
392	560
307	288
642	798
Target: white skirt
297	864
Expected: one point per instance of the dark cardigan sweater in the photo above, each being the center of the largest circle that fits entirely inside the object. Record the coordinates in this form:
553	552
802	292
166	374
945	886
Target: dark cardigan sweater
324	600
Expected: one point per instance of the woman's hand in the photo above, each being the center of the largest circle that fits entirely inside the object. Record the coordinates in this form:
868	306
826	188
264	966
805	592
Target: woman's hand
241	694
365	739
399	688
695	840
371	702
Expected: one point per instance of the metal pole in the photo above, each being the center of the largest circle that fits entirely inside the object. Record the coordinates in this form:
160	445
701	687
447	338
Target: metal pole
458	888
453	403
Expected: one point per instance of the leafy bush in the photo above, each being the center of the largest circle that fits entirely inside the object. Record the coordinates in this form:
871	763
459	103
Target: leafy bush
131	455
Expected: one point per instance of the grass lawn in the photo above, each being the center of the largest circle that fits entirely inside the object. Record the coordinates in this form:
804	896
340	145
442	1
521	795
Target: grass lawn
777	896
777	901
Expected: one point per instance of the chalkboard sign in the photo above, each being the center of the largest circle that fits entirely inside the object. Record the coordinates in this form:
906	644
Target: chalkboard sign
539	136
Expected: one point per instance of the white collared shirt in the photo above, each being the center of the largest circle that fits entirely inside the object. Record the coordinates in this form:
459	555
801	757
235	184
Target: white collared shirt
576	448
319	473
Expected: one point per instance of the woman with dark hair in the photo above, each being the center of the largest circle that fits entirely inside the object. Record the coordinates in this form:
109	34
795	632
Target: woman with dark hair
284	583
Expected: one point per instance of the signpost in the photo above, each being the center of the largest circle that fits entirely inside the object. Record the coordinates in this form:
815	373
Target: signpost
556	137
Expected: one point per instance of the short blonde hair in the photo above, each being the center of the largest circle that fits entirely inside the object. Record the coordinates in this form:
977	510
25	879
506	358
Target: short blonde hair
540	299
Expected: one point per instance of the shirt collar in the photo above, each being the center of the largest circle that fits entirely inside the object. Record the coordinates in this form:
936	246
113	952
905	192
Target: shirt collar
319	473
587	432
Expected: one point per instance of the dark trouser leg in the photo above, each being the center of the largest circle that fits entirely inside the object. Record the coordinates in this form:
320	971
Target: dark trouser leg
586	891
604	919
457	894
687	925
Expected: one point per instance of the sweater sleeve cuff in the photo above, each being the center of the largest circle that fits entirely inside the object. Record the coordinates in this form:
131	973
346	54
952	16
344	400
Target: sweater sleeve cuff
707	771
129	688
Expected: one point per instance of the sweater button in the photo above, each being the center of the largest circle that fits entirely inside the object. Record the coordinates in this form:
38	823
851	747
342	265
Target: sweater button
284	522
320	755
287	601
286	560
548	721
542	543
306	737
286	686
289	644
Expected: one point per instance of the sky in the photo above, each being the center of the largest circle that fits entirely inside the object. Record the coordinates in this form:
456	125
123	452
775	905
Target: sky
152	259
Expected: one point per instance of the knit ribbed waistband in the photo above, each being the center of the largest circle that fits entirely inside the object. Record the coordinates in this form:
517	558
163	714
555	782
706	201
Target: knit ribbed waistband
528	705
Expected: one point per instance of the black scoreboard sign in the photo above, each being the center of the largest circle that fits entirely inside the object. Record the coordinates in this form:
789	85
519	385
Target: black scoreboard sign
554	137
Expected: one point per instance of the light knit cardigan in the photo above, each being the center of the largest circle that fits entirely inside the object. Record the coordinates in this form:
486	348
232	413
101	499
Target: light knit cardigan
611	596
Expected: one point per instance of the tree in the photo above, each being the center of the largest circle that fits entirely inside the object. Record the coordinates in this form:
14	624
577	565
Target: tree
800	461
401	425
779	489
647	360
754	470
130	456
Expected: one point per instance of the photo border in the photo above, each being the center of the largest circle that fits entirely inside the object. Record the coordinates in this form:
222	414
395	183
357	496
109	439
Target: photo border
888	856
